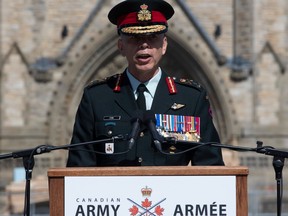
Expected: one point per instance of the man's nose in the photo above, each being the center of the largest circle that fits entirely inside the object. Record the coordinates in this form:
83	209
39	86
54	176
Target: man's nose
144	45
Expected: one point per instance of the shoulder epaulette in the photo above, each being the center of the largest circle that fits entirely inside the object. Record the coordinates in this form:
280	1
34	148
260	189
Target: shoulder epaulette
99	82
188	82
94	83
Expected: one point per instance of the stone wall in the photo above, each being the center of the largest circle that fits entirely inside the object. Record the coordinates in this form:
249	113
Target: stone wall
32	101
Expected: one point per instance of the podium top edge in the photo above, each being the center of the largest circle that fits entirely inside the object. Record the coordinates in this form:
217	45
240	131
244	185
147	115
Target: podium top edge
148	171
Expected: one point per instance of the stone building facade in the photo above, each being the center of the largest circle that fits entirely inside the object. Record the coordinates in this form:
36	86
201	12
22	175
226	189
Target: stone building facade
237	49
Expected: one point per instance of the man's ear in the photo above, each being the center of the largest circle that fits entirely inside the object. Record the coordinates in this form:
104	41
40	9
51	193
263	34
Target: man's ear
120	46
165	45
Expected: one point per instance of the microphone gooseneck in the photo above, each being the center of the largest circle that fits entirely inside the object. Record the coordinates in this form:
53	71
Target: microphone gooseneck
136	122
150	122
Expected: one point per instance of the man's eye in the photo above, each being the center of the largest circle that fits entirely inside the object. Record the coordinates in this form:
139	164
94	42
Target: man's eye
143	38
134	37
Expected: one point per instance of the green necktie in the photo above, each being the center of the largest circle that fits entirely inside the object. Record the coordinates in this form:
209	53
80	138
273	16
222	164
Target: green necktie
141	98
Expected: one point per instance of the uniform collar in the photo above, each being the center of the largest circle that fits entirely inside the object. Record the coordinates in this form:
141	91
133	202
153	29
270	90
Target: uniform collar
151	84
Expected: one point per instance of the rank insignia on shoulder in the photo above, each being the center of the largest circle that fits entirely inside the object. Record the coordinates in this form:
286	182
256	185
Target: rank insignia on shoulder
176	106
189	82
180	127
95	82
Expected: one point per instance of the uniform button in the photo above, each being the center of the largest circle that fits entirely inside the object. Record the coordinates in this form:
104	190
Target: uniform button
140	159
141	134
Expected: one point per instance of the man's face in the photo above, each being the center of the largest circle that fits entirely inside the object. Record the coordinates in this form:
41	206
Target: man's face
143	52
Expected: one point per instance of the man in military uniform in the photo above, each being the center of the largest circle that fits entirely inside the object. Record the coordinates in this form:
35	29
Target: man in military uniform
181	106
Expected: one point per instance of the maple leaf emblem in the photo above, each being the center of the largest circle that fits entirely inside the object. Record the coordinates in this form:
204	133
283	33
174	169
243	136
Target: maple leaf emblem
146	203
159	210
146	208
134	210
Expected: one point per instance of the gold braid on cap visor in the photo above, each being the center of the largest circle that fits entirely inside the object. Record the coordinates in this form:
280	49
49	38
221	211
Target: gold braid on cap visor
143	29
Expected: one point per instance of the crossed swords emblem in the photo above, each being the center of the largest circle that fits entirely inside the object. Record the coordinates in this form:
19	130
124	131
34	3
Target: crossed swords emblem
146	210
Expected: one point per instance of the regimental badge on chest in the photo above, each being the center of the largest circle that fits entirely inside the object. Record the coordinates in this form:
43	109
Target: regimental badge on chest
109	148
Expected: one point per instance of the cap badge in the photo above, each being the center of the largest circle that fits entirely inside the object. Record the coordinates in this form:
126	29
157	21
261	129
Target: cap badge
144	14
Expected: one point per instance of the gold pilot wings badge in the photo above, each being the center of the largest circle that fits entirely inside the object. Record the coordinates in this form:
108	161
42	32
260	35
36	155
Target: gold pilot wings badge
176	106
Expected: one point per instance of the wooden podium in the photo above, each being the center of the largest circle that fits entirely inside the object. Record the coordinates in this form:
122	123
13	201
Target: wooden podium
56	178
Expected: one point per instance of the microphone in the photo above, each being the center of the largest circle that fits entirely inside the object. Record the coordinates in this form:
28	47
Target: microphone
136	122
150	121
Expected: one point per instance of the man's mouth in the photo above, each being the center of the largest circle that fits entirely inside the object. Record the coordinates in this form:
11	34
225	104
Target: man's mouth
143	56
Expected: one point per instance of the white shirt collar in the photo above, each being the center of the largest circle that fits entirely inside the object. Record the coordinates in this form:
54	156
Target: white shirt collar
151	84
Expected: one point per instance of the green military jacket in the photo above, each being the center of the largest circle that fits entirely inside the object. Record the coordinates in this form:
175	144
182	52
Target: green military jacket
106	110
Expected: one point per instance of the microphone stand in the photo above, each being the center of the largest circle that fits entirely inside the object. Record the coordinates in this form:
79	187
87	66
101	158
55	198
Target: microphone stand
278	159
278	163
27	156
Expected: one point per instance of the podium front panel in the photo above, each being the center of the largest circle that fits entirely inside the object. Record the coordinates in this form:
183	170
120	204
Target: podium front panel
150	195
149	191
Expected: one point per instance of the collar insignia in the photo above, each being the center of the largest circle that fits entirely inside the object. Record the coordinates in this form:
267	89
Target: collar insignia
171	85
117	87
176	106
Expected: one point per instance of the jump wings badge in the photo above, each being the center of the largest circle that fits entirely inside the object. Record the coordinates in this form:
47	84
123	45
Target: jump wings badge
144	14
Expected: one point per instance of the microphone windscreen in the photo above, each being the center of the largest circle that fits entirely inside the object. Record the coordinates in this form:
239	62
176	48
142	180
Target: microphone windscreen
137	115
149	116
